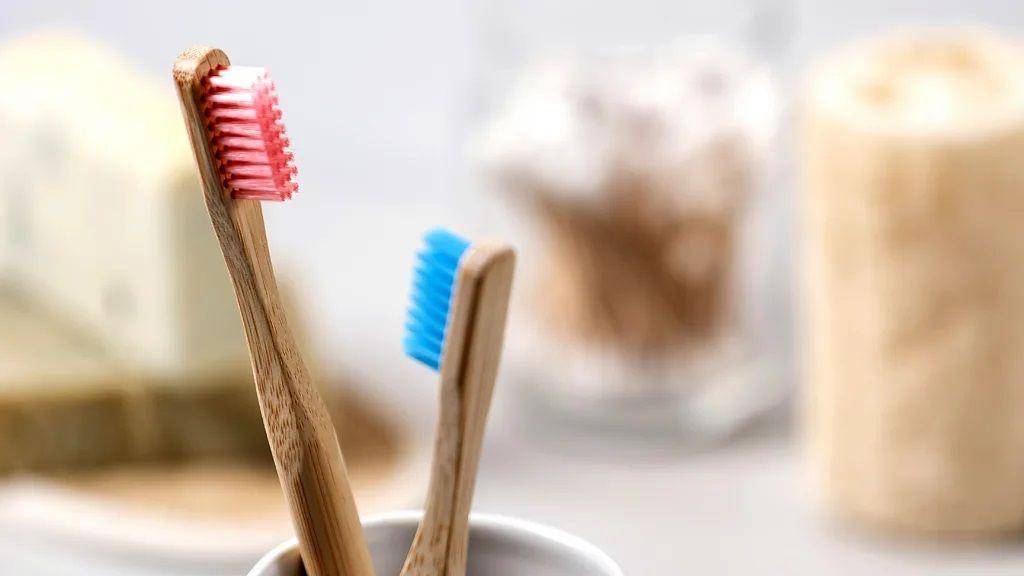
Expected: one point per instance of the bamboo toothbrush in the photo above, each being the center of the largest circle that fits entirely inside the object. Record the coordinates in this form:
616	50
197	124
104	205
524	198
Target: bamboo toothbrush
235	128
459	305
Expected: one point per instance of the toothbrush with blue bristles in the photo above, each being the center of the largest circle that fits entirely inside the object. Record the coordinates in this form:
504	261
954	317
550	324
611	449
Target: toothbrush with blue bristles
456	326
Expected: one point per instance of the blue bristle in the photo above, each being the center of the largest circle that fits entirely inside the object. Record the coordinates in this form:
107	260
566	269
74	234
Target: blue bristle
432	285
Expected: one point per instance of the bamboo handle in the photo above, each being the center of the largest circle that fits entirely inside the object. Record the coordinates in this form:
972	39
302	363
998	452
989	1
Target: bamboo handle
468	371
302	439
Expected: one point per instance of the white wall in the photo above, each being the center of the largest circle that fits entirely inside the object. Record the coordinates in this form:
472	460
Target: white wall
378	96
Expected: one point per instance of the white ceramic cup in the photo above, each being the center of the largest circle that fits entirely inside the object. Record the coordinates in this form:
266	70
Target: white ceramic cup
498	546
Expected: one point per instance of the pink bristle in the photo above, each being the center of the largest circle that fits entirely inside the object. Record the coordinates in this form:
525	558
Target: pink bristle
247	134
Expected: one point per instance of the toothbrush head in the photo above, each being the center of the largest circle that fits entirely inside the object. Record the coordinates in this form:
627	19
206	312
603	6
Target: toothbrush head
430	300
243	123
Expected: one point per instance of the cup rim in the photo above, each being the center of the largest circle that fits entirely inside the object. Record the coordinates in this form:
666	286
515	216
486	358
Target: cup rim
486	521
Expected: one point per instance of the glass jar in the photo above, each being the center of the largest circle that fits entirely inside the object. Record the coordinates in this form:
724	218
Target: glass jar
637	171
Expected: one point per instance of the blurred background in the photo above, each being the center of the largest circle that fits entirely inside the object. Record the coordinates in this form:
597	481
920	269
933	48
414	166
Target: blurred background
764	318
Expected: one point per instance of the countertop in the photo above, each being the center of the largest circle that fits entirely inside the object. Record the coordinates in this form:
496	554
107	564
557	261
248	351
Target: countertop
733	509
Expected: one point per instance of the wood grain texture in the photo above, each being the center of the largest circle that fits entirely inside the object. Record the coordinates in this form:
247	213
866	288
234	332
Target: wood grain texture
302	438
468	370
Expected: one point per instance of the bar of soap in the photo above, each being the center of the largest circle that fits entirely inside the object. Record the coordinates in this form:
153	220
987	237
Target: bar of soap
101	215
120	339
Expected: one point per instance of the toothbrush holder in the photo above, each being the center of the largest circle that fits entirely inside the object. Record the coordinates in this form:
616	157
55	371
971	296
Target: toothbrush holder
499	546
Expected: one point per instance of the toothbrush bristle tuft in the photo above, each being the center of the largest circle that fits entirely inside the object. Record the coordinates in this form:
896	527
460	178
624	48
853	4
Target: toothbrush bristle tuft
244	124
433	283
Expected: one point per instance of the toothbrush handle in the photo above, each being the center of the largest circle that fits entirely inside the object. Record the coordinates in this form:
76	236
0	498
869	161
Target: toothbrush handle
302	439
468	372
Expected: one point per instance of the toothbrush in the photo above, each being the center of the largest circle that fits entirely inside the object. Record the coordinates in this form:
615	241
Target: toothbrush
456	326
239	142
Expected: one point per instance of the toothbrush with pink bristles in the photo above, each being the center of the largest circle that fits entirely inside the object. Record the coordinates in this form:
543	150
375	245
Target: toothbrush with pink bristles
240	145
